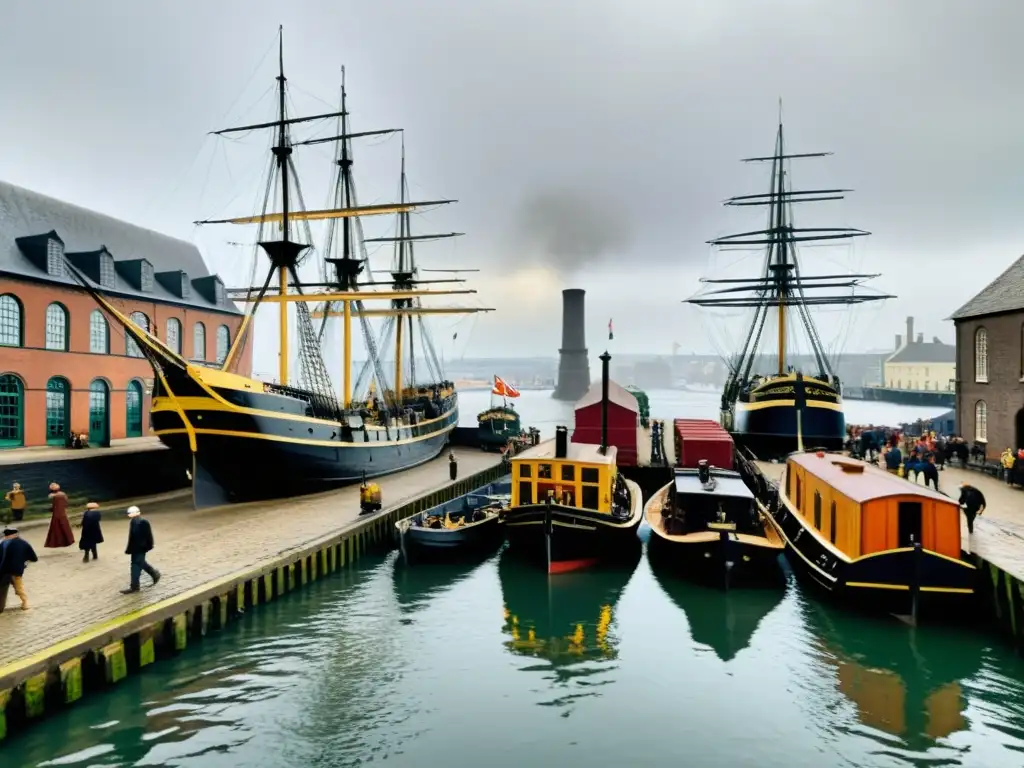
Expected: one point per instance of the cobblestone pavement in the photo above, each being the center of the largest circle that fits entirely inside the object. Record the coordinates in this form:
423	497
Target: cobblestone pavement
193	547
998	533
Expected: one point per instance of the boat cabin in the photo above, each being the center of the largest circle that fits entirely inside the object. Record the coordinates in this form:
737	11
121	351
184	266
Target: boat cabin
862	510
573	474
707	498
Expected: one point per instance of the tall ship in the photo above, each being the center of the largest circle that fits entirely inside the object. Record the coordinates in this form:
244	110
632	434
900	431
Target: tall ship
244	438
770	404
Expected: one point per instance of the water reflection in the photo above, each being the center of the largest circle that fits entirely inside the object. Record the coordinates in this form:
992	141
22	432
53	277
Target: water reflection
416	585
566	621
723	620
903	681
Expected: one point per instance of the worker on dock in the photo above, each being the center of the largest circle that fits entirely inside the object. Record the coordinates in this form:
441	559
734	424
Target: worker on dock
16	498
140	543
453	466
930	472
972	502
92	534
15	553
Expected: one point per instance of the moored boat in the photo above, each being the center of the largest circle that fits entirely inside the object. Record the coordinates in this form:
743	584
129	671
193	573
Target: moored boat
462	526
871	538
500	423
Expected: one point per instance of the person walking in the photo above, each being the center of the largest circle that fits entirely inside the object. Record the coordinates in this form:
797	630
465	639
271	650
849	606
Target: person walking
16	498
453	466
972	502
92	534
140	543
930	472
59	535
15	553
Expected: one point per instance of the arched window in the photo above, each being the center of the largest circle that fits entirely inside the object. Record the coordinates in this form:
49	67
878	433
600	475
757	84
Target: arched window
99	419
131	348
133	404
12	407
99	333
199	342
223	343
981	421
58	410
173	336
57	327
981	356
10	321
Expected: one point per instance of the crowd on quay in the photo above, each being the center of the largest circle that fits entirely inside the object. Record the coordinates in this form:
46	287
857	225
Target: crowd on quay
16	553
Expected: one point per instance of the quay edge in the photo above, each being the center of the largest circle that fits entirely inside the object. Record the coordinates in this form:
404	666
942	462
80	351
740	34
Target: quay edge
56	677
1000	589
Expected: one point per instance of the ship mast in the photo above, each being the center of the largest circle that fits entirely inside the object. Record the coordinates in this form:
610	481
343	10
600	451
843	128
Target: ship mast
781	286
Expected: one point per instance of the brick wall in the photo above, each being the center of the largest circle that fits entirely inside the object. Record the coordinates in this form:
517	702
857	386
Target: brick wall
1004	393
35	365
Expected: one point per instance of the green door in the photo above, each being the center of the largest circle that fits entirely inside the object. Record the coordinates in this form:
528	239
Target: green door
58	411
133	402
11	411
99	414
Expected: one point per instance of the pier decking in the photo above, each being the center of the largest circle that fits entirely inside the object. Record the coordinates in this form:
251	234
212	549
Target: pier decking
81	633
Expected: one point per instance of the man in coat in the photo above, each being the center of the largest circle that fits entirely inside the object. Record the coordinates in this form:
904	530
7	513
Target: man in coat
972	502
92	533
453	466
15	552
140	542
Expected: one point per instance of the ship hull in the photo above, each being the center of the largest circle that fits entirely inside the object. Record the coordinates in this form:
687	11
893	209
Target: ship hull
788	414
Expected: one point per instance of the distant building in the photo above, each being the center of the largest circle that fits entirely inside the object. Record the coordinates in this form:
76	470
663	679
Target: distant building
990	362
919	365
64	365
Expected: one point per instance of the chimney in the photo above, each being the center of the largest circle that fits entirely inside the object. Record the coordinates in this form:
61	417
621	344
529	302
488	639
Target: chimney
935	340
573	364
910	329
920	338
899	342
561	442
605	359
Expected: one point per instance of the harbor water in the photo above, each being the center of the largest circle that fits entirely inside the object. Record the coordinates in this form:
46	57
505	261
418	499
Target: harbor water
492	663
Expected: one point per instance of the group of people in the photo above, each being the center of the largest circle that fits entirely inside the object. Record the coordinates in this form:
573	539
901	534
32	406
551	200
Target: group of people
16	553
1013	466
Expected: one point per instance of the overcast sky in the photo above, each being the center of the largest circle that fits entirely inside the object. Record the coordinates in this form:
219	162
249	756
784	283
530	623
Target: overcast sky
590	143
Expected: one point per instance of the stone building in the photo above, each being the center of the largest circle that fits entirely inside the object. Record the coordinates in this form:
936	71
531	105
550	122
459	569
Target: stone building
919	365
990	364
64	365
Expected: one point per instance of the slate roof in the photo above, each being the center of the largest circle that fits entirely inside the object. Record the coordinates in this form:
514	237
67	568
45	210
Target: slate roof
924	352
30	216
1004	294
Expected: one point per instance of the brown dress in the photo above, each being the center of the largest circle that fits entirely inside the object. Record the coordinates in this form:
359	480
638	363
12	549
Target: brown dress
60	534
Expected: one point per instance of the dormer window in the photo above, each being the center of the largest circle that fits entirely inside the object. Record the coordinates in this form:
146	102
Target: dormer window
54	257
107	271
146	277
186	287
218	293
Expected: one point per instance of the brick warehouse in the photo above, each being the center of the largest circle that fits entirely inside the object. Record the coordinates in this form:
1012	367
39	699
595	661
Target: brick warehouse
64	365
990	364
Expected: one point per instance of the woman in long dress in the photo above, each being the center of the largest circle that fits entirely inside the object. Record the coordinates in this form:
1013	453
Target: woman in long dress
60	534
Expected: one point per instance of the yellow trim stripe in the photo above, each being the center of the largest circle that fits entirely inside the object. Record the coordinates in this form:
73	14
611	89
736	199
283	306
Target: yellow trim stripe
875	585
803	557
952	590
305	441
787	404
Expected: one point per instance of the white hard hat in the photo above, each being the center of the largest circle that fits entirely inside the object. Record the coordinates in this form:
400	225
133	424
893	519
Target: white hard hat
133	511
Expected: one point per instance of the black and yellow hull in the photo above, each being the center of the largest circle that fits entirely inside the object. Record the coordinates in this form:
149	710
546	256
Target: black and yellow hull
908	581
789	413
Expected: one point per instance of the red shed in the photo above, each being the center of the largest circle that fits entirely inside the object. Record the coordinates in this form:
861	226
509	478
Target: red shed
623	421
698	439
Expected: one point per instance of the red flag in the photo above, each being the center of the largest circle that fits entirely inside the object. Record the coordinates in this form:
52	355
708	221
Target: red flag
610	334
504	390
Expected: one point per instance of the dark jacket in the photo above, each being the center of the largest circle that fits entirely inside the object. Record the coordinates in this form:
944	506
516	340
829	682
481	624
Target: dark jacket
140	537
92	534
971	499
14	553
893	459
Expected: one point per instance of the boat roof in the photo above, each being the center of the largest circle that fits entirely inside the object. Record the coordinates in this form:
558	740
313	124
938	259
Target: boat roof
616	394
870	483
729	484
583	453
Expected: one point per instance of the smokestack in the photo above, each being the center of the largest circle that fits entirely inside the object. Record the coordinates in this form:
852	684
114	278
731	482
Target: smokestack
561	442
573	363
605	359
899	342
910	329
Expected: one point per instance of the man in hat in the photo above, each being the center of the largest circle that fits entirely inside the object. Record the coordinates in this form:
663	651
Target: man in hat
140	542
15	552
16	498
92	534
453	466
972	502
